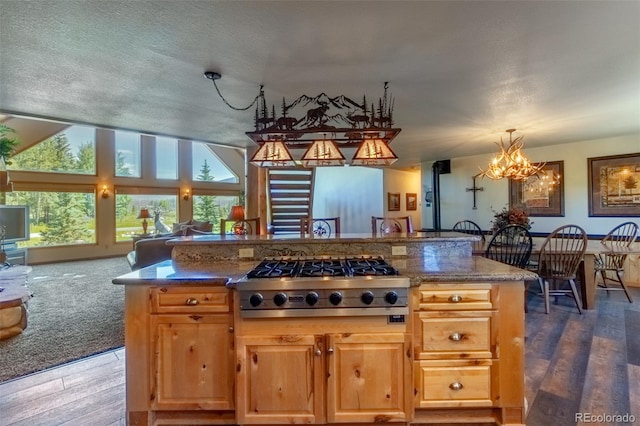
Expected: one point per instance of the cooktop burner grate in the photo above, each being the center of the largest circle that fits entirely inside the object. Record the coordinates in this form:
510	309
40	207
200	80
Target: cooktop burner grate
322	267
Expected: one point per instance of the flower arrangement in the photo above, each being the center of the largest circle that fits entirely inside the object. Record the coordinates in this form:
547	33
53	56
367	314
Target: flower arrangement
517	215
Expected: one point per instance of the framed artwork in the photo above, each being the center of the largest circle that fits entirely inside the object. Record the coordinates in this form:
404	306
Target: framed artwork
393	201
614	185
541	195
412	201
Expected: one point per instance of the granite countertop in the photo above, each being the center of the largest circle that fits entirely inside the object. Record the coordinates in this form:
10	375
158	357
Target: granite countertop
419	270
342	238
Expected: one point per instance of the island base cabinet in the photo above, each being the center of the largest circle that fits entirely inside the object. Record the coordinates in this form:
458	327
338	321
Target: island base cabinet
333	378
193	362
279	379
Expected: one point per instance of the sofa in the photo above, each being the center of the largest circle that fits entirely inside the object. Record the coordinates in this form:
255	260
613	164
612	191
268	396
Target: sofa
148	251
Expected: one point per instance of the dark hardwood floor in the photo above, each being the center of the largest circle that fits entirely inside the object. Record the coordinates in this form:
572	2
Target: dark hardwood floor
574	364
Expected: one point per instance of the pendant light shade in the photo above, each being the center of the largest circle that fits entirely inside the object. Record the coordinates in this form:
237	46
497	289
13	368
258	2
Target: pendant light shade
272	154
323	152
374	152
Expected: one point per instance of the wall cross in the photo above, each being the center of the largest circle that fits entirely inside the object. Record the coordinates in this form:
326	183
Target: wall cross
475	189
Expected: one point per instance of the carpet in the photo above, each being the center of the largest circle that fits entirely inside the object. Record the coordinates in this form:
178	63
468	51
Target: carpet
75	312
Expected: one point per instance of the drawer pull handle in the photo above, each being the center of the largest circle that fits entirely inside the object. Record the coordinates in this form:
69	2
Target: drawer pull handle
191	302
455	386
456	298
456	337
330	350
318	352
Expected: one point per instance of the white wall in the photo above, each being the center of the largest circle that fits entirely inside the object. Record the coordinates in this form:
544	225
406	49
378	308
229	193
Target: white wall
357	193
457	203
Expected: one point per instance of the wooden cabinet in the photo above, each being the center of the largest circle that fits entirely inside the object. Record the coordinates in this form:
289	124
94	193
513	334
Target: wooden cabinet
192	343
368	378
332	378
469	350
279	379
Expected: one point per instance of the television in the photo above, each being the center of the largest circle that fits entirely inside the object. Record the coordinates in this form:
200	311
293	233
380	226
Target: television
15	220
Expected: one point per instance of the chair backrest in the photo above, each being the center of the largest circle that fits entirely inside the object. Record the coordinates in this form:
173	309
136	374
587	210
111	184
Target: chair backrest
241	227
512	245
391	225
561	252
324	227
468	227
622	235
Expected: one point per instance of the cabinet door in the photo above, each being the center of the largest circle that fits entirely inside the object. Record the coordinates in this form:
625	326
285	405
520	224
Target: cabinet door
279	379
369	378
193	362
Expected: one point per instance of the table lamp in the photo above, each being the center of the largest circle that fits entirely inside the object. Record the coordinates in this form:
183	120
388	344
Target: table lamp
144	215
237	215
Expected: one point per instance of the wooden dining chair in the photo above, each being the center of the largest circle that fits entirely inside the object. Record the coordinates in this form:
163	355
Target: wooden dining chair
560	255
323	227
512	245
469	227
391	225
622	236
241	227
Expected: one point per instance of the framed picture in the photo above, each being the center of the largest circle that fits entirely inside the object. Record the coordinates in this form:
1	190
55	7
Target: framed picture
393	201
412	201
541	195
614	185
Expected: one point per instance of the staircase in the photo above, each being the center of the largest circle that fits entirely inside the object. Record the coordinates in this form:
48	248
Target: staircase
290	198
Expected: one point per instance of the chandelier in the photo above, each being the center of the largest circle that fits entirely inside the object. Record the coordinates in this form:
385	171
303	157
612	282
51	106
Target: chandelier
510	162
323	127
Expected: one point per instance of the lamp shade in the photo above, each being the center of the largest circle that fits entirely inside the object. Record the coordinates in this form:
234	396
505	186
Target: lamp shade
374	152
144	214
236	213
323	152
272	154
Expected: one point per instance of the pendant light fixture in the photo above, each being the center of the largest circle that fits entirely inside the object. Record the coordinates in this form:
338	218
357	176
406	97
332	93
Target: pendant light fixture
323	152
272	154
374	152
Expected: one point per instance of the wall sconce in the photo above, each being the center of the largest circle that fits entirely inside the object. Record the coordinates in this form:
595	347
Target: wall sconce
105	191
187	193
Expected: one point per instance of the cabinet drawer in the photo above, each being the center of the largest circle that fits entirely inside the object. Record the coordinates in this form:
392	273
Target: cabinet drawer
167	300
451	297
463	335
454	385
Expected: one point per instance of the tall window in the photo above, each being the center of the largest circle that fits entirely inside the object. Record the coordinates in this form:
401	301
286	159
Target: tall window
163	210
208	167
213	208
166	158
58	218
127	154
70	151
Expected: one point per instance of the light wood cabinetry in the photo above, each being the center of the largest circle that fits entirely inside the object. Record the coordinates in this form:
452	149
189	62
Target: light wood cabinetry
469	351
339	377
192	339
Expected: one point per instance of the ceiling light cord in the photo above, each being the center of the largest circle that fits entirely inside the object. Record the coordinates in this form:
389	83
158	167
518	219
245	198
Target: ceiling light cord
213	76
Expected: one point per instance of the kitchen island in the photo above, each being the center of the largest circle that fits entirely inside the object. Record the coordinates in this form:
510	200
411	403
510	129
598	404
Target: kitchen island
457	356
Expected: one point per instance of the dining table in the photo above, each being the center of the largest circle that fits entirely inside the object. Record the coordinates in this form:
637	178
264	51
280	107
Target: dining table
586	269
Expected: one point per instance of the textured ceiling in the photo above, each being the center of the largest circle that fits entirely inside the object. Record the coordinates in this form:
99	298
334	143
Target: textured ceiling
460	72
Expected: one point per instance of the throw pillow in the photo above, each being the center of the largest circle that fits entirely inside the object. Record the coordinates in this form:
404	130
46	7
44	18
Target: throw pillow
205	226
181	225
192	231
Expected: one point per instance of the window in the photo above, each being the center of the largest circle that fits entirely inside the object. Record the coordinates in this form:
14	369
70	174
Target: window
213	208
208	167
163	209
58	218
127	154
70	151
166	158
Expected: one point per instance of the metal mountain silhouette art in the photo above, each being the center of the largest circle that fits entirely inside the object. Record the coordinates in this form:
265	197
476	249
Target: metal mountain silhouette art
339	118
324	112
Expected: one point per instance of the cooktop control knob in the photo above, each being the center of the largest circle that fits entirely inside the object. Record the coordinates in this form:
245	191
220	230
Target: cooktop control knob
391	297
280	299
367	297
312	298
256	299
335	298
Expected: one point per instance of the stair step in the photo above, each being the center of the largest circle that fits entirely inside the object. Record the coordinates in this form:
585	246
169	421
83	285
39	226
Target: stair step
288	186
304	194
277	202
